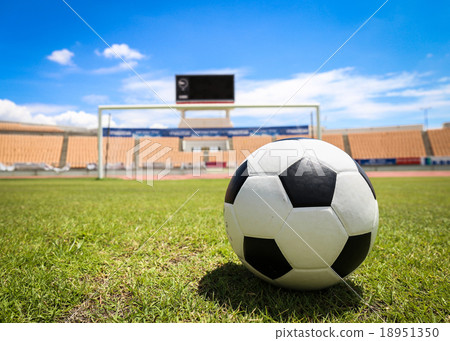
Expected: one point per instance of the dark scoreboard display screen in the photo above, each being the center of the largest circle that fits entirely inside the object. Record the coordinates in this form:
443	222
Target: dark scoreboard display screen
204	88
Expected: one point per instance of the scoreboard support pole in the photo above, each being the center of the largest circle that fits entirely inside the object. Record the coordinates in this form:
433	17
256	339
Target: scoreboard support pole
183	108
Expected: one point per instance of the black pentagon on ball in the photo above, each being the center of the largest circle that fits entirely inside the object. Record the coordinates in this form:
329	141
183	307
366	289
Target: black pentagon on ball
364	175
265	256
236	183
308	183
352	255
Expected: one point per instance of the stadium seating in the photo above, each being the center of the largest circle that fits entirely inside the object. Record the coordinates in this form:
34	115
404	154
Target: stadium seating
248	143
82	150
335	139
393	144
44	146
7	126
171	142
440	141
117	149
179	159
158	149
30	148
226	158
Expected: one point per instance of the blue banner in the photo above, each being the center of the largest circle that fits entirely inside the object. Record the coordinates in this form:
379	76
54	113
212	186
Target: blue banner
376	162
228	132
437	160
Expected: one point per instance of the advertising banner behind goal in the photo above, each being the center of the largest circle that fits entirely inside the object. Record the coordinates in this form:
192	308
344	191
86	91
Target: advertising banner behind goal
228	132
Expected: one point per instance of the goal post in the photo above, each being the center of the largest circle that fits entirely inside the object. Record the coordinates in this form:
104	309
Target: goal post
188	107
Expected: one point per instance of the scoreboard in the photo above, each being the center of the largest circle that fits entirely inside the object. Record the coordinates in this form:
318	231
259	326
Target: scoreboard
204	88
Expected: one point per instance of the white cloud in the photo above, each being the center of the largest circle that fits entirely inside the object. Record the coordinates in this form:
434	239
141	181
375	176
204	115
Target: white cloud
63	57
10	111
146	118
158	126
47	109
122	51
44	114
153	90
343	94
117	68
435	93
347	99
95	99
119	51
239	73
73	119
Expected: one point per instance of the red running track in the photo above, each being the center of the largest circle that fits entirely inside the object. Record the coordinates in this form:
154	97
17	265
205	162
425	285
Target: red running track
406	174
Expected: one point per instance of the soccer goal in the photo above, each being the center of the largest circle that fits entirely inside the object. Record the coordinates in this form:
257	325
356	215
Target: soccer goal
181	110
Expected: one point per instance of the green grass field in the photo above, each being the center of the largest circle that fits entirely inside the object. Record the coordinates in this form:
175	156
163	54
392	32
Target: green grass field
86	250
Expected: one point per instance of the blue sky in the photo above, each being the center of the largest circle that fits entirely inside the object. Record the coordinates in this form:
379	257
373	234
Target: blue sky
55	70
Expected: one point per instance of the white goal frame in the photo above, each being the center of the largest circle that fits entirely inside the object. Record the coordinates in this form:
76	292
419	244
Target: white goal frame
186	107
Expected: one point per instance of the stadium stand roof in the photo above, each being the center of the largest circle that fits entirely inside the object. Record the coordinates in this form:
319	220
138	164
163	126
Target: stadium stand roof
220	122
19	127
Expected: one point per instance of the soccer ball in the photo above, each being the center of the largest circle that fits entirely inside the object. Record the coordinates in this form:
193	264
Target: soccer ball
301	214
